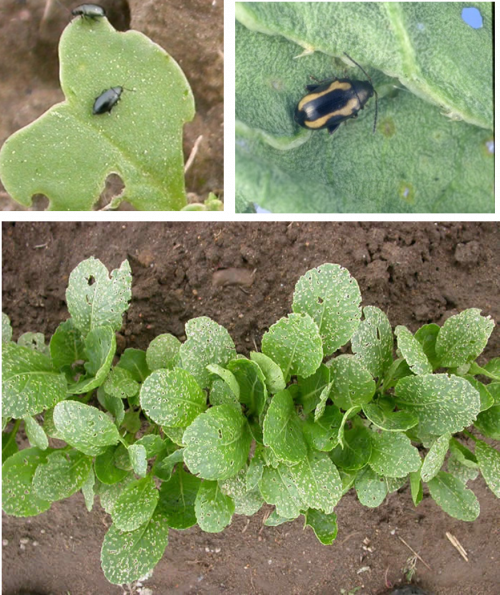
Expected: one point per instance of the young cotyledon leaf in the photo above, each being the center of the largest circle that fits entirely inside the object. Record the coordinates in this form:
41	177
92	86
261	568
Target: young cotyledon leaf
134	131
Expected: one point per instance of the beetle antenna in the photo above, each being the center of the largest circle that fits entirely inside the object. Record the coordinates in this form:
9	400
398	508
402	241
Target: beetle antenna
376	94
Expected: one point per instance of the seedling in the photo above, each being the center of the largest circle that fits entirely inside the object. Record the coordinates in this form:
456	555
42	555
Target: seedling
164	436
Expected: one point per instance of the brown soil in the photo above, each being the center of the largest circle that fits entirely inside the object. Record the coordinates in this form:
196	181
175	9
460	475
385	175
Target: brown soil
417	273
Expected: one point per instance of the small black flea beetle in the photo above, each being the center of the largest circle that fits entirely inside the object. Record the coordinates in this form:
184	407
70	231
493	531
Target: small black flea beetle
89	11
329	103
107	100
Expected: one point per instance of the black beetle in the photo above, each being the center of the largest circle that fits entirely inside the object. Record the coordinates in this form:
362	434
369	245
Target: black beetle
107	100
89	11
329	103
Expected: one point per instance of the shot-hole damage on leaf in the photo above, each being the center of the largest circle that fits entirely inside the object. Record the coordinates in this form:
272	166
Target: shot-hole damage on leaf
190	432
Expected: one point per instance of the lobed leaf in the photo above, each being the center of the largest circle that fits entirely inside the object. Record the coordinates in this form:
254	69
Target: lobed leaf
295	345
19	497
434	459
324	525
489	463
352	384
371	489
442	403
30	384
6	328
177	499
207	343
100	347
393	455
127	556
388	420
120	384
282	429
94	298
318	481
277	487
331	297
217	443
62	475
372	343
135	505
453	497
172	398
463	337
84	427
213	509
412	351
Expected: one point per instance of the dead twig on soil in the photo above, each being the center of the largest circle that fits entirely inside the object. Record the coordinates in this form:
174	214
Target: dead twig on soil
192	155
455	543
414	553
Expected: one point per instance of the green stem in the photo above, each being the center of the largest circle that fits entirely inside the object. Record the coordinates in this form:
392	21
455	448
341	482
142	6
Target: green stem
87	397
467	433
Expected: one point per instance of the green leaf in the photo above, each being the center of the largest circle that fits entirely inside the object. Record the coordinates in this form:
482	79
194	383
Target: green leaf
486	398
323	433
356	452
30	384
352	384
177	498
207	343
100	346
66	345
317	481
246	502
311	172
221	394
84	427
412	351
227	377
68	153
252	384
135	505
331	297
282	429
213	509
127	556
372	342
272	372
463	454
417	492
6	328
105	468
19	497
371	489
153	444
295	345
217	443
163	469
94	298
434	459
172	398
163	352
109	494
489	463
88	490
311	388
255	469
134	361
390	421
323	398
114	405
442	403
35	341
35	433
453	497
393	455
277	487
62	475
461	471
120	384
427	336
323	525
9	445
488	422
175	434
138	459
275	520
463	337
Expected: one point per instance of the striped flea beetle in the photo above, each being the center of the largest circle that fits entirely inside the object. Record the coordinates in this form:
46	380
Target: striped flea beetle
329	103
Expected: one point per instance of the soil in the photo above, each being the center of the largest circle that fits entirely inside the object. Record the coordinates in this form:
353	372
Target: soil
191	32
417	273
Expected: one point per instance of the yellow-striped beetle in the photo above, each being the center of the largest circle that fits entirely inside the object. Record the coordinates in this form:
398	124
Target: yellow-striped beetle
331	102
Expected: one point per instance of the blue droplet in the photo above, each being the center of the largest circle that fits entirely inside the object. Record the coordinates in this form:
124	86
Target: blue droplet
472	17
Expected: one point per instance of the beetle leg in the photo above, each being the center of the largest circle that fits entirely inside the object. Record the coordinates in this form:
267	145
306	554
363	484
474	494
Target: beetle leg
333	127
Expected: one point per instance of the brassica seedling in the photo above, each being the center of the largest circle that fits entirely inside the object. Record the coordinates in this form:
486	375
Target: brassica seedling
192	432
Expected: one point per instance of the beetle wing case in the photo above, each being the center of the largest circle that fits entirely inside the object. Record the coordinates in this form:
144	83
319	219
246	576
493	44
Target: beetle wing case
329	104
